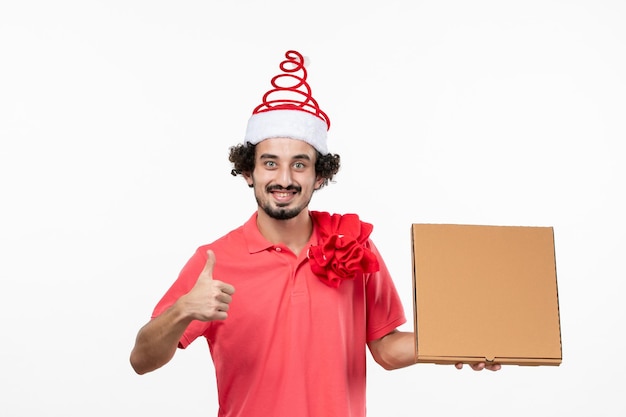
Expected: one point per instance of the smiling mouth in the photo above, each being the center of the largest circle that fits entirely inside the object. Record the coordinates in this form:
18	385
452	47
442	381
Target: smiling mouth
283	197
283	194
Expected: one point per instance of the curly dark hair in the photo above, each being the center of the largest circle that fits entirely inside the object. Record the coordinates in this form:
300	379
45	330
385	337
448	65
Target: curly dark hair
242	158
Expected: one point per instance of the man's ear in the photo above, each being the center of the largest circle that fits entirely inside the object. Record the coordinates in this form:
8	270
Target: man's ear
248	177
318	183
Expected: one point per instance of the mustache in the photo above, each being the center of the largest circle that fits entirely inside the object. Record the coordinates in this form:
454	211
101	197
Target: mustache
280	188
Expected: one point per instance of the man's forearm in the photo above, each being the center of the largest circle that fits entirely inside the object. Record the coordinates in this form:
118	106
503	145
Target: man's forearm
157	341
395	350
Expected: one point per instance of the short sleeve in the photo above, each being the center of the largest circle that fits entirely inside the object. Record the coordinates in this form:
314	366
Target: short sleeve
384	307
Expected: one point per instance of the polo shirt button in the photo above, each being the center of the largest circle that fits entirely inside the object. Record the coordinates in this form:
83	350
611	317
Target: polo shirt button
278	249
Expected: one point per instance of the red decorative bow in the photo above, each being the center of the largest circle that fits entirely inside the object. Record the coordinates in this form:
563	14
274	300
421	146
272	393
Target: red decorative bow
342	251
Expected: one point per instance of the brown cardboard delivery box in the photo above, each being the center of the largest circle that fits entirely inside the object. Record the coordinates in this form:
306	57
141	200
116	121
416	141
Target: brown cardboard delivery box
485	293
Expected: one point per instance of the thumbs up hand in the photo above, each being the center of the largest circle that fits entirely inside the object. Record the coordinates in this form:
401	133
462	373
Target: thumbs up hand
209	298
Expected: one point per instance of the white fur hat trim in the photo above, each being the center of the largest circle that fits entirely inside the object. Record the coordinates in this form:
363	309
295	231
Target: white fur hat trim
294	124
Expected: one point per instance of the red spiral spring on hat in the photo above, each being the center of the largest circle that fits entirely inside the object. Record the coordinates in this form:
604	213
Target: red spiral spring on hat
291	91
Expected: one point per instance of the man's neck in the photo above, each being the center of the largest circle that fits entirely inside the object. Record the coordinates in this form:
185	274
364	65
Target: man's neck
293	233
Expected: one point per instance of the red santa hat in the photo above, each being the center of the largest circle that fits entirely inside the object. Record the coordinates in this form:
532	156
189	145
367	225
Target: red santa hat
289	110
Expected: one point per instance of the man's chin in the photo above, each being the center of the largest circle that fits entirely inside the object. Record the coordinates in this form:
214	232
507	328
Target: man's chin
281	213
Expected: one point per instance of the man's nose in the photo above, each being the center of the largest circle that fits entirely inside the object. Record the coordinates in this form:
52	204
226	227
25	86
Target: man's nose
284	176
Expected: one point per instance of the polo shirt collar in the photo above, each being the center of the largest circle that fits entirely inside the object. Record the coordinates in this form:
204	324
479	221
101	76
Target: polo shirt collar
255	240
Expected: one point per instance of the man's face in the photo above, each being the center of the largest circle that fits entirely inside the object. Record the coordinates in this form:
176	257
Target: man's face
284	176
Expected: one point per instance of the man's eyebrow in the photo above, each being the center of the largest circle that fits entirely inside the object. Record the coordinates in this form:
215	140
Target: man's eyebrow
272	156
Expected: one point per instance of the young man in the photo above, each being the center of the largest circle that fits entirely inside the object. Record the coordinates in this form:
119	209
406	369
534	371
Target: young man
289	301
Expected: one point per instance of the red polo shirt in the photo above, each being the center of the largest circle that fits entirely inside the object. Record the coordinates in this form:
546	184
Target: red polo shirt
291	345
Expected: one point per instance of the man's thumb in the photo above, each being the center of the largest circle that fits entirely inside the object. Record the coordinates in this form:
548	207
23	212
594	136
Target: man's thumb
210	263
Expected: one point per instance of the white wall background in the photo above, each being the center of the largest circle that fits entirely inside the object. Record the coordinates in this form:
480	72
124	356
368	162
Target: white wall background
115	123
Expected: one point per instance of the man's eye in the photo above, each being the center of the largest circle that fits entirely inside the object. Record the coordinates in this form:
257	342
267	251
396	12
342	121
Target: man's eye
299	165
270	164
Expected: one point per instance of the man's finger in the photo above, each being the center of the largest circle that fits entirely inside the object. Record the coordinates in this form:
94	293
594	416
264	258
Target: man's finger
210	263
207	273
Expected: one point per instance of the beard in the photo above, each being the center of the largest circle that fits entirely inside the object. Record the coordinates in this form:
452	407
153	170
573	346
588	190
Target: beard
281	212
